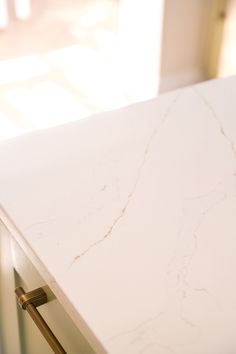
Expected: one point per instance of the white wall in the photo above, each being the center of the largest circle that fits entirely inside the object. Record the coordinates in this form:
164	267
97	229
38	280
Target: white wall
184	42
227	64
139	29
164	44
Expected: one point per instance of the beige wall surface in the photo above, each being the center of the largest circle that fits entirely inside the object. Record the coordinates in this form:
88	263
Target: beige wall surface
227	61
184	42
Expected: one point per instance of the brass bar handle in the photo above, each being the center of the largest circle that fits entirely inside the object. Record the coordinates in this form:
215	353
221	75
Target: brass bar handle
29	301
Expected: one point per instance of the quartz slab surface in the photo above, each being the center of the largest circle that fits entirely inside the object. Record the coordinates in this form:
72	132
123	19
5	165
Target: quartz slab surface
130	216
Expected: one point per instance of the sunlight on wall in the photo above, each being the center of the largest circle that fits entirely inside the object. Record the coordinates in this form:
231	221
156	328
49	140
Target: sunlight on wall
8	129
46	104
94	13
103	70
140	31
96	79
58	87
21	69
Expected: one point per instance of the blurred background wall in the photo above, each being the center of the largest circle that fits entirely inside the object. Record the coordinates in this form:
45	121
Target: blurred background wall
185	42
62	60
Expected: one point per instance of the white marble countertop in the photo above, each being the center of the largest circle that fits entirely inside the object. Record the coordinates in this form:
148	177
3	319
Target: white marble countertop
130	216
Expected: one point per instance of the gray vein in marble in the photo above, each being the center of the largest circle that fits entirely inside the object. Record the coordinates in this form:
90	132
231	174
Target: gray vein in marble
187	258
154	344
200	290
177	276
181	275
188	322
140	336
223	189
136	328
103	188
212	190
38	223
216	118
132	192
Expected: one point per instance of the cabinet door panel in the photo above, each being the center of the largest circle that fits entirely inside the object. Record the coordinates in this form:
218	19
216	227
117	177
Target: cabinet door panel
54	314
9	329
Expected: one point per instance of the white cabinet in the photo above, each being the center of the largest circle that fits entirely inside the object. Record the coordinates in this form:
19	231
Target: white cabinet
26	338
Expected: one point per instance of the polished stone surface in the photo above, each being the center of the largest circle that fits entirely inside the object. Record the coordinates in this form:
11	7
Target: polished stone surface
130	218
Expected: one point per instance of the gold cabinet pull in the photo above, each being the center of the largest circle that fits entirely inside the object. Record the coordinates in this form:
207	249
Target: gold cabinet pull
29	301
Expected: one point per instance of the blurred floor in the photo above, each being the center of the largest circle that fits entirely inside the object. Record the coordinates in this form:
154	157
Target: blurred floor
60	65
